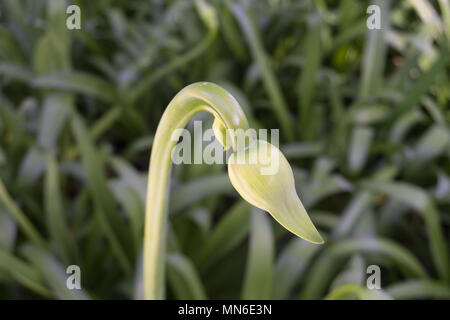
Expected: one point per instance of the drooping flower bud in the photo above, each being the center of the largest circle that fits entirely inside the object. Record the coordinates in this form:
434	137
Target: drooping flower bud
263	177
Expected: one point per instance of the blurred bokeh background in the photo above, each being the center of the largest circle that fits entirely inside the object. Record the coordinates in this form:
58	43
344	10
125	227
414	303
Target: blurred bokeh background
363	116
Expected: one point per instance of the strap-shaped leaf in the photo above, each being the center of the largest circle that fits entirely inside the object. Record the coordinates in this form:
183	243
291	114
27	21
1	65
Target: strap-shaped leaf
258	280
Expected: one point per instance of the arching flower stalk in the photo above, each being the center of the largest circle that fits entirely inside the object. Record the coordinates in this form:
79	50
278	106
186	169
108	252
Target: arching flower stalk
273	191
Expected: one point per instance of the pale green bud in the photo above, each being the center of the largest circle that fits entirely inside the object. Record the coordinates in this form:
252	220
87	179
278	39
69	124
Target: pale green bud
263	177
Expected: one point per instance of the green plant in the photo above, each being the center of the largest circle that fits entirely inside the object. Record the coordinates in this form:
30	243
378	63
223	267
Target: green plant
274	193
369	150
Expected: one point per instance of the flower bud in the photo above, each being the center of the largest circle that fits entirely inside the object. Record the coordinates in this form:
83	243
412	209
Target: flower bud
263	177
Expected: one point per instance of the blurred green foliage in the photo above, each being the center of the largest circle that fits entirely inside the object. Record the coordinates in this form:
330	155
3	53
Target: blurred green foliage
364	118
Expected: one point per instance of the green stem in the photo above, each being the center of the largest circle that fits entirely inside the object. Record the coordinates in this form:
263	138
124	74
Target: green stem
202	96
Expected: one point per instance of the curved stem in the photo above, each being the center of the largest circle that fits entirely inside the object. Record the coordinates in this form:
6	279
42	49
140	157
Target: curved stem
202	96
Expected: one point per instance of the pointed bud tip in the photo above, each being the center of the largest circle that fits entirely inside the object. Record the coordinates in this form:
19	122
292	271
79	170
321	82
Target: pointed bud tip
274	193
316	239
